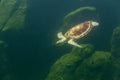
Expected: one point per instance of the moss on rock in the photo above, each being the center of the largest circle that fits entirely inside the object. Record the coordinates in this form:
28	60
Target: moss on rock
63	68
94	67
115	49
82	64
115	42
6	7
12	18
12	14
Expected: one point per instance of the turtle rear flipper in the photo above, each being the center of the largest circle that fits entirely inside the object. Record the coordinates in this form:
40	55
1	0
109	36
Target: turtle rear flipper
72	42
61	37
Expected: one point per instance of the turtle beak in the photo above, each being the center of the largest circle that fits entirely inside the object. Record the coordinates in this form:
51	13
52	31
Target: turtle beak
95	23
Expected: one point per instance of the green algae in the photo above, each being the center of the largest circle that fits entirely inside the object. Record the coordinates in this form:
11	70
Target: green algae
6	7
115	42
80	63
13	14
94	67
115	49
64	67
12	17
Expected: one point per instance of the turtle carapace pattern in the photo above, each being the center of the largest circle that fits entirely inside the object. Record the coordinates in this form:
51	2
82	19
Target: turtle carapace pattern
76	32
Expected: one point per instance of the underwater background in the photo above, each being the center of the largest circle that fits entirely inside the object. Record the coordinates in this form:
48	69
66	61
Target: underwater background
28	30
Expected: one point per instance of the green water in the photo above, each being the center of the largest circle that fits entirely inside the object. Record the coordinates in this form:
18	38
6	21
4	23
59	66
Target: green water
28	31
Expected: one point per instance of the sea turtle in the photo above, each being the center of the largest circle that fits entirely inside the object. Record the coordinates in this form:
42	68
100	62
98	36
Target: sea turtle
76	32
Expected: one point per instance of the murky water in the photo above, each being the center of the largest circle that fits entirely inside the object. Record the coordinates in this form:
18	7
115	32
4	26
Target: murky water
28	33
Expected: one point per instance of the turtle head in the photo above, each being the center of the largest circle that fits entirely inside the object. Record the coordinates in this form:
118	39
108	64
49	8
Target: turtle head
95	23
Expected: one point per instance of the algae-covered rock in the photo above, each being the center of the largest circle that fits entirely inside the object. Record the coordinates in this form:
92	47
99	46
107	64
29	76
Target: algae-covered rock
115	49
82	64
115	42
12	18
12	14
63	68
6	7
94	67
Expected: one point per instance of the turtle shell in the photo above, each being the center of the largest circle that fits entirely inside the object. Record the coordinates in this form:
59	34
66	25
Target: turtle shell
79	30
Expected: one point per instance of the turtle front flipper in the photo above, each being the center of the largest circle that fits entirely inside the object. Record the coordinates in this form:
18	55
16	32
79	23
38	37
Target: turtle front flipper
61	37
72	42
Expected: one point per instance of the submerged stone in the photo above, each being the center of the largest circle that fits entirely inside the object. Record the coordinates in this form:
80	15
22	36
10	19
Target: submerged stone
115	49
12	14
82	64
94	67
64	67
115	42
